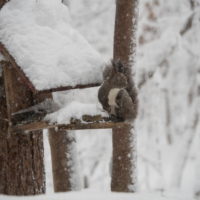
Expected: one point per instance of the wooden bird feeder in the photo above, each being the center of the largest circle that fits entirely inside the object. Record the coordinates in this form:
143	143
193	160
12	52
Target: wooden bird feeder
22	94
30	75
35	66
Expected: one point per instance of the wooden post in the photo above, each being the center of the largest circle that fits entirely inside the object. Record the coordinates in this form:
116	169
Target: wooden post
21	155
124	154
3	130
65	176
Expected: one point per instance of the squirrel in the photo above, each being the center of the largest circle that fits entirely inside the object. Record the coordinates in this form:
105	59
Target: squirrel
118	94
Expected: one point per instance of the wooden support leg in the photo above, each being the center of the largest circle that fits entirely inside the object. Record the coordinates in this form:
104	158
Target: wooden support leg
65	175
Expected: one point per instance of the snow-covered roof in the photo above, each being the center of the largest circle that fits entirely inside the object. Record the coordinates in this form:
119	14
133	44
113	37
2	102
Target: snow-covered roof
48	49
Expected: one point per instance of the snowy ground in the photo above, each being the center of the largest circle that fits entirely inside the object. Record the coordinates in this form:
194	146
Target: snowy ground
96	195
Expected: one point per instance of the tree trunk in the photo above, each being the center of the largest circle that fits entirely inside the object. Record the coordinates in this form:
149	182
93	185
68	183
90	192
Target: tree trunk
124	153
63	155
21	155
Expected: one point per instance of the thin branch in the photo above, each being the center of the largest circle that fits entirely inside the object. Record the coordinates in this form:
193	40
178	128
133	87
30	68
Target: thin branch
188	25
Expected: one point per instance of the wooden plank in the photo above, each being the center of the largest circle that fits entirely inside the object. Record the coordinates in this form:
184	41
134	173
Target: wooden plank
59	89
82	126
30	121
24	79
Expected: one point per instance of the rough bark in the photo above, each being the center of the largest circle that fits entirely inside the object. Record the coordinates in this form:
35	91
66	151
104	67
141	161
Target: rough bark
65	175
3	129
21	155
123	167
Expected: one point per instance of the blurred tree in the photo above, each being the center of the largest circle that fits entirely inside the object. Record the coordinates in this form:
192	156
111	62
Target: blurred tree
66	2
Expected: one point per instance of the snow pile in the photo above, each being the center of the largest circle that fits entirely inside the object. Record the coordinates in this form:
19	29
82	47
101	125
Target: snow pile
75	104
39	36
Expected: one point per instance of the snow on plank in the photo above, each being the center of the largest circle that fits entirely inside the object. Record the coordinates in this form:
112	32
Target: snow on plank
71	110
49	51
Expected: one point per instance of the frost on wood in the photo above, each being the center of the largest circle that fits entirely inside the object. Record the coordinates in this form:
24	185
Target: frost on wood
49	50
73	163
123	170
64	162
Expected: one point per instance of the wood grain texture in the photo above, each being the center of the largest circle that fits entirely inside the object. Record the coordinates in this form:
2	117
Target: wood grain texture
21	155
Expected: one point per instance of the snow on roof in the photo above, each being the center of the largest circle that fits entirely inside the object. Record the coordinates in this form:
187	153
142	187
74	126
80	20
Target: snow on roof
49	50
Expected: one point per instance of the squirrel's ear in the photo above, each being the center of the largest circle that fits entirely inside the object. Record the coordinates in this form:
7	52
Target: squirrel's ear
114	65
118	66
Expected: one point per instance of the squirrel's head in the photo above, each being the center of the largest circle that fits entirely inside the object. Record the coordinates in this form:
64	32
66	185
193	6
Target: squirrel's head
118	66
114	74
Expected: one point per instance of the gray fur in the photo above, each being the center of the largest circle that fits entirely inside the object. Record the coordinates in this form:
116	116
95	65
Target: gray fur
116	77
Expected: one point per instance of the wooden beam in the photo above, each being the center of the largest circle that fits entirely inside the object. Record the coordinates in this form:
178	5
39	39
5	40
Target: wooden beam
24	79
82	126
59	89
